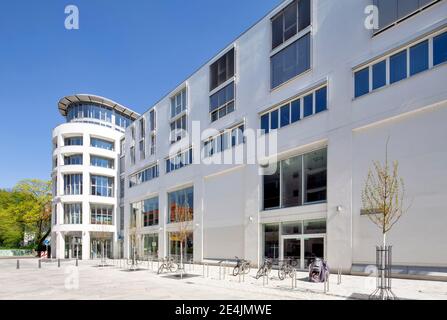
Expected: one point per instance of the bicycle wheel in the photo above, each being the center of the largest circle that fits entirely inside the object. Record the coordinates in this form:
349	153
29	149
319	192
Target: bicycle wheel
246	268
260	273
235	271
160	270
281	274
173	267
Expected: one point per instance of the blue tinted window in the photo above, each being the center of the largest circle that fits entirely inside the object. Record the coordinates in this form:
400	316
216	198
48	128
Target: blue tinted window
379	74
321	100
440	49
398	66
265	123
419	57
274	120
308	105
295	106
285	115
361	82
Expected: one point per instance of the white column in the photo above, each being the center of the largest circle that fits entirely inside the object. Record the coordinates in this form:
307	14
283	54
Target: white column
85	245
60	245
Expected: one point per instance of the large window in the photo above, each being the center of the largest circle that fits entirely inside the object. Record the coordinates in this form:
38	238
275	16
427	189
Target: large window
94	111
225	140
222	102
392	11
178	103
222	69
178	129
101	214
73	213
297	181
97	161
401	64
291	61
271	241
144	175
150	212
292	19
73	184
101	143
181	203
150	245
313	102
101	186
73	141
75	159
180	160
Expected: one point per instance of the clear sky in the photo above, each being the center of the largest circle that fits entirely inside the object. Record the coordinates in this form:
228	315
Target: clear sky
131	51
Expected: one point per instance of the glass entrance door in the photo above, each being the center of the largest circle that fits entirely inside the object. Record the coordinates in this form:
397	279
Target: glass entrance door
302	250
313	248
73	247
292	251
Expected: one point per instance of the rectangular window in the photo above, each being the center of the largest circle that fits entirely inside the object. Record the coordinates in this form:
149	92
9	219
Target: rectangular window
101	186
102	162
291	61
379	74
398	66
440	49
295	106
178	104
122	147
152	120
419	57
121	219
151	245
178	129
274	116
132	155
321	99
265	120
150	212
142	128
285	115
182	159
292	228
222	102
222	70
181	205
101	143
221	142
101	214
73	213
73	141
308	104
142	176
297	181
153	144
292	19
361	82
271	241
314	226
122	188
72	184
75	159
142	148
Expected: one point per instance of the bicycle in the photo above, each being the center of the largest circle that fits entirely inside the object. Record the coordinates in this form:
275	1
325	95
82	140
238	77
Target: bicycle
265	268
169	265
242	267
286	269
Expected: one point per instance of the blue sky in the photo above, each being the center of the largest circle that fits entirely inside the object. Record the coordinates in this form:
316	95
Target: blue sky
133	52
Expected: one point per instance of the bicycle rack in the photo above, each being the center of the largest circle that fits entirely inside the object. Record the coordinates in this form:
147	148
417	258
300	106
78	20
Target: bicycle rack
326	283
293	277
339	276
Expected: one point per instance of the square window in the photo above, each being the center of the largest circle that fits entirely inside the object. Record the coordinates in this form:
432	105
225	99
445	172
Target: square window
419	57
398	66
379	74
361	82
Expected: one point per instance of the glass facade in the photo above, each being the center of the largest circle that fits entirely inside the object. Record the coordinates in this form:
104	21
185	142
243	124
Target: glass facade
101	186
181	204
101	214
73	184
85	111
102	162
73	213
73	141
75	159
102	144
150	245
150	212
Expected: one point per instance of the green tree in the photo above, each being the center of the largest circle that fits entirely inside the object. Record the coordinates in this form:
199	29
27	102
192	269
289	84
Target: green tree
11	226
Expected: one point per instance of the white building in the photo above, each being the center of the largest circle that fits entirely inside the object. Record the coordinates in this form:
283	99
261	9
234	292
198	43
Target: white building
86	162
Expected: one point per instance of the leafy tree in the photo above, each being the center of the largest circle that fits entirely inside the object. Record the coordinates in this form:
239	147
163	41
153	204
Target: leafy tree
11	225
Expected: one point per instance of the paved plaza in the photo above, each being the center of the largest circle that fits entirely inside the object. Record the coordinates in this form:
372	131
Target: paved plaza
91	281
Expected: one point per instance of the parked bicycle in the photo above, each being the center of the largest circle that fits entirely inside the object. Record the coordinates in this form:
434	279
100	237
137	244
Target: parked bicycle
169	265
286	268
242	267
265	268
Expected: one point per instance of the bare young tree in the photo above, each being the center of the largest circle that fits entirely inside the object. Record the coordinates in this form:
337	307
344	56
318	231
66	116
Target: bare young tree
184	219
383	195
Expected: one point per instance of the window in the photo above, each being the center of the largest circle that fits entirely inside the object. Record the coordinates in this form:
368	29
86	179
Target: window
180	160
144	175
152	120
222	70
132	155
150	212
153	144
271	241
222	102
291	61
142	128
122	147
223	141
178	129
73	184
391	11
178	104
361	82
103	144
97	161
419	57
398	66
297	181
440	49
122	188
150	245
292	228
314	226
73	213
142	149
101	214
73	141
181	204
379	74
101	186
292	19
291	112
121	219
75	159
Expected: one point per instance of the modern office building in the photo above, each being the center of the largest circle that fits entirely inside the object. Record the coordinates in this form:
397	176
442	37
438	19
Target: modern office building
333	90
86	172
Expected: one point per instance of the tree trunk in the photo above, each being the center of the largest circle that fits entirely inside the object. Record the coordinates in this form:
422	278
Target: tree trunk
383	266
181	258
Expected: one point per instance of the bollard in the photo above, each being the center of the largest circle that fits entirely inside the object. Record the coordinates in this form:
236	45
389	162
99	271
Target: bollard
152	264
58	263
207	270
239	277
77	263
263	280
39	264
18	264
339	276
220	267
243	277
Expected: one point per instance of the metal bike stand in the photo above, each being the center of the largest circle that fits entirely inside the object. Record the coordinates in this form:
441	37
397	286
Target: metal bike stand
339	276
58	263
326	283
18	264
293	276
39	264
77	262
